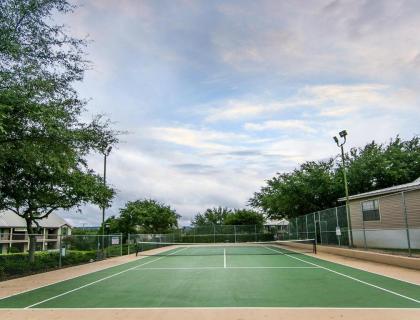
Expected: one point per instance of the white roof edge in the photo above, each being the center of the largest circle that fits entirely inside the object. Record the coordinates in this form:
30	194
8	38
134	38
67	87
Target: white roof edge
9	219
394	189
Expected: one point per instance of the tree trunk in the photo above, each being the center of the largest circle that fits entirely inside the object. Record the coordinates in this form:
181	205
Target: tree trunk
32	241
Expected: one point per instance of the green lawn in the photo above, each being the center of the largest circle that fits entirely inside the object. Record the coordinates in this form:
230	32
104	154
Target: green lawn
224	279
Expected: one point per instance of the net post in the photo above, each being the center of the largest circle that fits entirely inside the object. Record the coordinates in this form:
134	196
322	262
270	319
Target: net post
314	246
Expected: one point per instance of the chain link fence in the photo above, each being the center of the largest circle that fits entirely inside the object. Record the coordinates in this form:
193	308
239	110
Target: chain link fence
54	251
393	226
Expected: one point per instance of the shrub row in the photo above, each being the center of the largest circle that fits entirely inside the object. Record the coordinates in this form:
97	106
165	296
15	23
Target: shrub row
17	264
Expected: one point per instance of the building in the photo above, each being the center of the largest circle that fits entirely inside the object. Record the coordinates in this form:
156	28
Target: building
14	237
387	218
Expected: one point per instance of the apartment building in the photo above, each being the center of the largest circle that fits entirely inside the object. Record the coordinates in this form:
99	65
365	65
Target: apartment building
14	236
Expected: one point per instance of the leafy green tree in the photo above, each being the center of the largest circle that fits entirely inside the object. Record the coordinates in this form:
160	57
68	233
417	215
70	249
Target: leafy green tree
310	187
221	216
317	185
147	216
211	216
377	166
244	217
43	141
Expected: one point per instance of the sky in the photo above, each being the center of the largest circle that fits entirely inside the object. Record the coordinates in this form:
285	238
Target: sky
218	96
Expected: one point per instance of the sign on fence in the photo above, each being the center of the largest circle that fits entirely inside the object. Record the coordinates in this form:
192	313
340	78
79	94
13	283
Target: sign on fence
338	231
115	240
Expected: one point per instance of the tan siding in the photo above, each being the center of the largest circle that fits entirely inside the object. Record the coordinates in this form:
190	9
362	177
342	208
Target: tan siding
390	210
392	214
356	215
412	201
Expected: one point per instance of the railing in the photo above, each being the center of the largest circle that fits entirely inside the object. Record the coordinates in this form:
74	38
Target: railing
19	236
4	236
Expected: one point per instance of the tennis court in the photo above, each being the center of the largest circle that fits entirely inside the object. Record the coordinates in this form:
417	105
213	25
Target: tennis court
224	275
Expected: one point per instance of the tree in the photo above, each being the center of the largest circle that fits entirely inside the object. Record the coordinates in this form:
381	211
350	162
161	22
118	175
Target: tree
310	187
377	166
244	217
221	216
43	141
211	216
317	185
147	216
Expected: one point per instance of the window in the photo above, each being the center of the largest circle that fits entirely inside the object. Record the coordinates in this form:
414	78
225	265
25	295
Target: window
370	210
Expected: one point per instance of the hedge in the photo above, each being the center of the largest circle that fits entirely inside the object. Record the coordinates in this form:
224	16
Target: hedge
17	264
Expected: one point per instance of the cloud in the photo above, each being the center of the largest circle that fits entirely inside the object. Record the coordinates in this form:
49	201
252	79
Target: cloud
196	138
280	125
219	96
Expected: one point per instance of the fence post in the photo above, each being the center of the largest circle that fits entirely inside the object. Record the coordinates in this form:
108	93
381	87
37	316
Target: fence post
234	231
59	250
128	242
255	231
338	225
320	227
316	236
306	224
214	233
406	223
121	245
363	226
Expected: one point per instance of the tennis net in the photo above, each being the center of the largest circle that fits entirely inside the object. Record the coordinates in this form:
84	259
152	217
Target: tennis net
208	249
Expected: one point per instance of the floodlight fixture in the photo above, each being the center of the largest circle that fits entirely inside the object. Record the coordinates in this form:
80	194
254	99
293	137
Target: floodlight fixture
343	134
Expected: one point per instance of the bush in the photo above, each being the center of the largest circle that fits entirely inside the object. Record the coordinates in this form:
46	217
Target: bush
17	264
2	273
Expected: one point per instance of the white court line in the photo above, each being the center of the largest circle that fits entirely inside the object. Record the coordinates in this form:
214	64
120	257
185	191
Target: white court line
176	251
212	268
71	278
347	276
97	281
224	258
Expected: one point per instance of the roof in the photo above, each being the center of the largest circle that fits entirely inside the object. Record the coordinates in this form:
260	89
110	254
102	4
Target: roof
10	219
282	222
395	189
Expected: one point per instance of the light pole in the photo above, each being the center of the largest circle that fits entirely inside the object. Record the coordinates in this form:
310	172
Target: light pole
343	134
106	154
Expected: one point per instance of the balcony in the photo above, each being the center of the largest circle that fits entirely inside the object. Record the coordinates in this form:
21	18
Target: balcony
51	237
19	237
4	236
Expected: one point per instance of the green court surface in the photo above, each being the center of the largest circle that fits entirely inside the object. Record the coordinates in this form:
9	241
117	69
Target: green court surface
224	277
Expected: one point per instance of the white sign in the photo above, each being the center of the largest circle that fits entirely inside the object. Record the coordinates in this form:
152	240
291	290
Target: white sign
115	240
63	251
338	231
